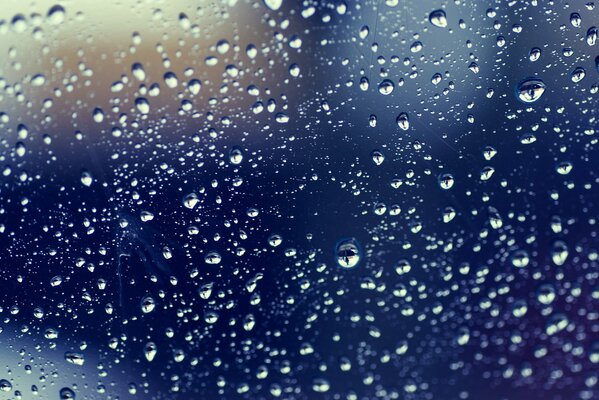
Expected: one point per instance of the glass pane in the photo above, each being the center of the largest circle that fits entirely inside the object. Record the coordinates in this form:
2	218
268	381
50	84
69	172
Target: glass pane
261	199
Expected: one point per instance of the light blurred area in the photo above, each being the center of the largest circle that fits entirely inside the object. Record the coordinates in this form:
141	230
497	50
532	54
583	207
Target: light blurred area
39	370
80	58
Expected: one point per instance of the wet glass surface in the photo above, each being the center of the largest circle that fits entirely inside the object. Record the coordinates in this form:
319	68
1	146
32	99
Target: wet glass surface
247	199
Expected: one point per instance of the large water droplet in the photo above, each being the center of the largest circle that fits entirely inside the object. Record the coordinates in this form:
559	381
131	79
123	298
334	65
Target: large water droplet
212	258
273	4
438	18
348	253
5	385
148	304
386	87
403	121
56	15
67	393
236	155
530	90
150	350
74	358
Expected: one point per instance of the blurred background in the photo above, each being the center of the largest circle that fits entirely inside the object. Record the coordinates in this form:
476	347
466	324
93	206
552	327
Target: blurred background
179	179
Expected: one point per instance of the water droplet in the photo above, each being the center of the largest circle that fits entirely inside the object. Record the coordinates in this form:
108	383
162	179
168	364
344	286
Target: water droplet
19	23
275	240
194	86
282	118
5	385
438	18
138	71
146	216
294	70
520	259
98	115
564	167
592	34
534	54
575	20
212	258
377	157
446	181
273	4
74	358
530	90
150	351
348	253
190	200
402	267
403	121
148	304
559	253
546	294
236	155
38	80
489	152
56	15
578	74
249	322
386	87
86	178
206	290
416	47
67	394
142	104
170	79
321	385
463	336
